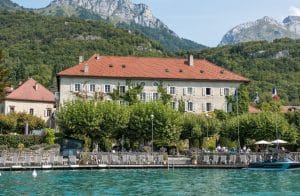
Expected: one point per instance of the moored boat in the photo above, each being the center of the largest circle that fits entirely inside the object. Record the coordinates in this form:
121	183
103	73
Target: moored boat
285	163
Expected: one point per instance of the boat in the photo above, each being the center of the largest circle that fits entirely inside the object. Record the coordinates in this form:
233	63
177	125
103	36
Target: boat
285	163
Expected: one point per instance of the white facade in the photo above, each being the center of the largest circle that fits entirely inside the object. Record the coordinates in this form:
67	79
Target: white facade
198	96
40	109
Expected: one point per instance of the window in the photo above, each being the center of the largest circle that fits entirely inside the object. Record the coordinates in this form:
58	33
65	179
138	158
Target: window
107	88
11	109
143	96
48	112
208	107
190	106
208	91
190	90
155	96
173	105
122	89
226	91
31	111
77	87
172	90
92	87
155	83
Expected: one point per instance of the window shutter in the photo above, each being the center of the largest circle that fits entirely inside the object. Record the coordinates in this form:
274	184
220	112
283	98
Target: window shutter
203	91
72	87
225	107
126	88
45	113
203	107
168	89
194	90
212	91
185	106
222	91
194	107
103	88
184	91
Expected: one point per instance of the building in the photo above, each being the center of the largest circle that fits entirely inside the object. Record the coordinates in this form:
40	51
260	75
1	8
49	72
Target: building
31	98
201	85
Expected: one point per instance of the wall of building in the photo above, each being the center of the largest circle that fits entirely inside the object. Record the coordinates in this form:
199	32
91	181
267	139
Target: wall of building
39	108
198	94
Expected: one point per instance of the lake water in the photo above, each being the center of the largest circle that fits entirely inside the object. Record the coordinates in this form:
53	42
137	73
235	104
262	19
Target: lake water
151	182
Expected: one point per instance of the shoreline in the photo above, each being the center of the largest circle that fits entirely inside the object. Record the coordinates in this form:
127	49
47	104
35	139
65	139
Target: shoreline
99	167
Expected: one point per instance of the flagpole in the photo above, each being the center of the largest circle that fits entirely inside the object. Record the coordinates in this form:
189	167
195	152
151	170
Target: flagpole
238	120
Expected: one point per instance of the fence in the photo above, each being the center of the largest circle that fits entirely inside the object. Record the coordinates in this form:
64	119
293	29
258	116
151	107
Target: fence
53	158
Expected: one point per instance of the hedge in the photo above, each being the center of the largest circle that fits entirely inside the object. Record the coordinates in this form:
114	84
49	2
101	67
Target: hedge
28	140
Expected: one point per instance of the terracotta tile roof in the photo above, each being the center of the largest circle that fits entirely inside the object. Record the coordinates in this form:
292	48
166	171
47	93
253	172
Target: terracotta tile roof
151	68
31	90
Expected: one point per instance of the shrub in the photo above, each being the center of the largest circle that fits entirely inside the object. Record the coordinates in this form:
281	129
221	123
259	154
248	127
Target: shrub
13	141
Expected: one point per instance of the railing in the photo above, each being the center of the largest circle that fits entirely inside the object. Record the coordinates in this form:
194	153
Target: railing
51	158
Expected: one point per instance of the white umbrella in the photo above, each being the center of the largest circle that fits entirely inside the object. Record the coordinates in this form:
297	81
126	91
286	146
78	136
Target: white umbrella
262	142
278	141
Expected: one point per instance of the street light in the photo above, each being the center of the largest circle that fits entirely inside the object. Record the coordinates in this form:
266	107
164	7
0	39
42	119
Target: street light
206	115
152	117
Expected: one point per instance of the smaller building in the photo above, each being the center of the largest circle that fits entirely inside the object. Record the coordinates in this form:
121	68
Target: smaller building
31	98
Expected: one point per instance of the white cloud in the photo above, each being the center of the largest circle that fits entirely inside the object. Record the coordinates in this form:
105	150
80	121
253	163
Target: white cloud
294	11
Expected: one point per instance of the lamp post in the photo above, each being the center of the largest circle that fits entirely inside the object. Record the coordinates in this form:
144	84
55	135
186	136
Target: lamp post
206	115
152	117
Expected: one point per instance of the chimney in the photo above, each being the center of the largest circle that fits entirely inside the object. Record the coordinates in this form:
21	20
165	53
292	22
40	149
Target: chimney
35	86
80	59
191	60
97	56
86	68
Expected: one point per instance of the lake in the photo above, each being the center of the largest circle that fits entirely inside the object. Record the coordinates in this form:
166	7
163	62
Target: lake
150	182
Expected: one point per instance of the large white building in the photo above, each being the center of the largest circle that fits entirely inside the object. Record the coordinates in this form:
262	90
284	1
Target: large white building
201	85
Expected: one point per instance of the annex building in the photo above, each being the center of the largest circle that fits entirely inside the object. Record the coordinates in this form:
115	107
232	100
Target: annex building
200	84
31	98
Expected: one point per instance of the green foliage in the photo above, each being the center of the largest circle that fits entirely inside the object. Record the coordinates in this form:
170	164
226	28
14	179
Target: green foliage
294	119
80	117
166	124
181	106
3	77
131	96
242	101
15	140
260	62
261	126
50	136
41	46
197	126
164	96
15	122
165	37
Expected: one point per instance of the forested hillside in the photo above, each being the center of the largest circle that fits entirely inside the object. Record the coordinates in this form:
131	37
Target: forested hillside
40	46
268	65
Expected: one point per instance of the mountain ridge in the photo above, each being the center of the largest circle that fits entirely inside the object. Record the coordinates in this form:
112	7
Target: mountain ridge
125	14
265	28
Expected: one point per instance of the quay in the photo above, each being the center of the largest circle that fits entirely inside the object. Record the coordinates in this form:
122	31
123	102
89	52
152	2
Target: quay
99	167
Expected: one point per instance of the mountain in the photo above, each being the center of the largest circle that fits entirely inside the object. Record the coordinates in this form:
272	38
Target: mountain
267	64
265	28
292	23
123	13
41	46
9	5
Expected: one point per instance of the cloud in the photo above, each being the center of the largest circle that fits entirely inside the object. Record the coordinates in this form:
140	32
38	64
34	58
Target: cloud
294	11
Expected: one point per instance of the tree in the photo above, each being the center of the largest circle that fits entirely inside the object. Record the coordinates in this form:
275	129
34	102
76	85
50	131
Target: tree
166	124
3	77
261	126
163	94
81	117
242	101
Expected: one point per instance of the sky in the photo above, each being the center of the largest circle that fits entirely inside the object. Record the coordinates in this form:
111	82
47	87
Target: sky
206	21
